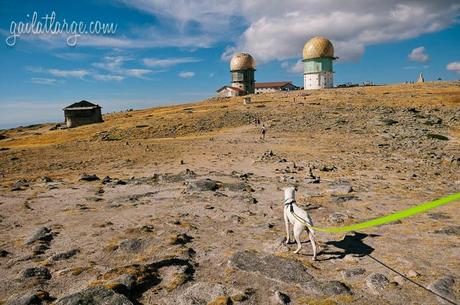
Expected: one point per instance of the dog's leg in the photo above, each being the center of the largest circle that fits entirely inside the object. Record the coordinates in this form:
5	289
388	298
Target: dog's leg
288	232
298	229
313	243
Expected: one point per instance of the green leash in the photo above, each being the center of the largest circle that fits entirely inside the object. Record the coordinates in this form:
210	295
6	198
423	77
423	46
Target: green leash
386	219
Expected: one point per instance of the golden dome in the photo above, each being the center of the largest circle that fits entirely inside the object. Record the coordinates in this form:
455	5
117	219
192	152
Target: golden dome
318	47
242	61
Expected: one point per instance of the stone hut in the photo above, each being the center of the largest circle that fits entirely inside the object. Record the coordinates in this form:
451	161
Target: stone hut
82	113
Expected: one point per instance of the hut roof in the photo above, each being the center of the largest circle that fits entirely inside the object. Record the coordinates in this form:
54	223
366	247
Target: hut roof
82	105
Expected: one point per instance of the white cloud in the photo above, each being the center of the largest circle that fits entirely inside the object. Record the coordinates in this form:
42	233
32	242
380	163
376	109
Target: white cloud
108	77
274	31
186	74
418	54
168	62
139	73
454	66
278	30
79	73
295	68
43	81
71	56
114	64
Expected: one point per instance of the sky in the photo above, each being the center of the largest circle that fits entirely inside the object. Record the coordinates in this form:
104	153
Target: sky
163	52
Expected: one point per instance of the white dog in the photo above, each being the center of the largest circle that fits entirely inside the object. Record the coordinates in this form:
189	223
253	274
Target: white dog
292	214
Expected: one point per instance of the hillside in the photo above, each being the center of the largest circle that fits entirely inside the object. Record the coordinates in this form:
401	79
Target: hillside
157	232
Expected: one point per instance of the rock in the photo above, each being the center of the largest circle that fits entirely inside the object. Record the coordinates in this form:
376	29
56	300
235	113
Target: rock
221	300
351	273
285	270
28	299
131	245
4	253
94	296
251	200
450	230
328	288
343	198
340	189
40	249
399	279
437	137
432	120
20	185
279	298
65	255
47	179
438	215
41	234
86	177
203	185
444	288
147	228
92	198
124	283
377	282
337	218
311	178
106	180
202	293
181	239
236	219
40	273
328	168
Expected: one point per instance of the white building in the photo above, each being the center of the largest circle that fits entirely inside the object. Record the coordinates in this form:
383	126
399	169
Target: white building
274	86
228	91
318	54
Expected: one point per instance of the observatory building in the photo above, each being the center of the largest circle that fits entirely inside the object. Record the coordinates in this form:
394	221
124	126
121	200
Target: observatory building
318	54
242	68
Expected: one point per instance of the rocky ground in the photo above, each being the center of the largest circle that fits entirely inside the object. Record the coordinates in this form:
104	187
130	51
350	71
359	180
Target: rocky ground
183	204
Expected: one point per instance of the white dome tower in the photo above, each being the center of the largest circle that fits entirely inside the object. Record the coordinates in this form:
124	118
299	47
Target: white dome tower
318	54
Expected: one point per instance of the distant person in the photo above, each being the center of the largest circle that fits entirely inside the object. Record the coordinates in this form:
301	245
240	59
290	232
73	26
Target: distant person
263	131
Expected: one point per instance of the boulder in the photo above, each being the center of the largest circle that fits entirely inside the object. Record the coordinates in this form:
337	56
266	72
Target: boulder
131	245
86	177
444	288
28	299
203	185
40	273
94	296
354	272
65	255
279	298
202	293
285	270
377	282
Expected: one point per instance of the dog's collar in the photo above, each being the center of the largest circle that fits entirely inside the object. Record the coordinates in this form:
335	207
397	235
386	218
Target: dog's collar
289	201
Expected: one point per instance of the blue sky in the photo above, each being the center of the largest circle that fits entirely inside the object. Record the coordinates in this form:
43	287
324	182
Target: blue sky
166	52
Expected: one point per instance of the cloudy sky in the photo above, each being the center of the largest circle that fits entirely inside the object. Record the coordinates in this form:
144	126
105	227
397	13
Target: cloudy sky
165	52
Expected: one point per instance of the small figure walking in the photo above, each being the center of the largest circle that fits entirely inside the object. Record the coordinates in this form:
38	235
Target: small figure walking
263	131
